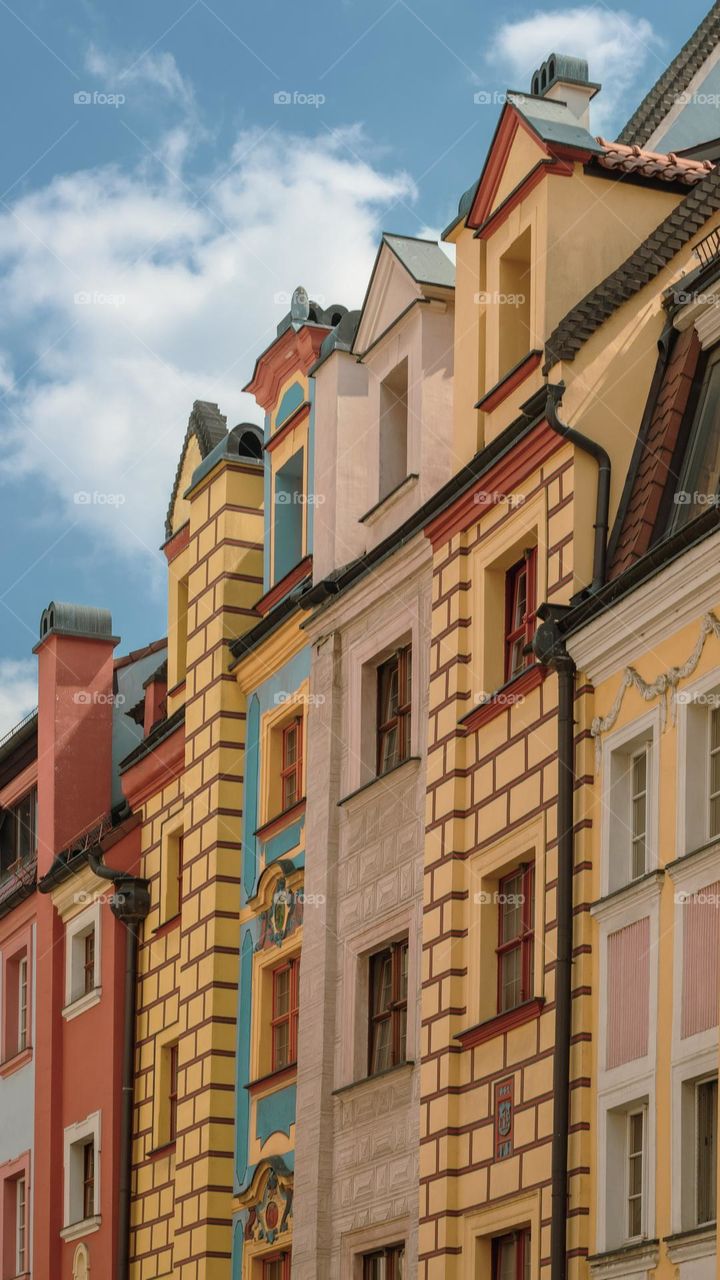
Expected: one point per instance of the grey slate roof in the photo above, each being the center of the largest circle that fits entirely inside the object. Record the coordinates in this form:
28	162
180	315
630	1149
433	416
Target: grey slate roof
426	262
209	426
643	265
553	121
673	81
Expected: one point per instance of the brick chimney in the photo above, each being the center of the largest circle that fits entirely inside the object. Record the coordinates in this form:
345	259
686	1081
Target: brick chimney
564	78
75	710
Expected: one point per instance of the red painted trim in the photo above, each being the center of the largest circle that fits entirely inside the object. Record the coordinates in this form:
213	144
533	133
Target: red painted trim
283	1076
495	486
510	122
281	588
167	927
510	382
501	1023
158	1152
299	415
293	350
177	543
501	699
14	1064
281	820
560	168
177	688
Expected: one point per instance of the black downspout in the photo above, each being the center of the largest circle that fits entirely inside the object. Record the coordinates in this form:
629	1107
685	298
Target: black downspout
129	904
549	648
555	393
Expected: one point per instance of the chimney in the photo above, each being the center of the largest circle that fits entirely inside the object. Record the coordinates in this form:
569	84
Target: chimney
564	78
75	712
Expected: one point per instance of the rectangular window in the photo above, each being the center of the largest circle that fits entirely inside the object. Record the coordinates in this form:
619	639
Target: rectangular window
291	772
516	938
393	715
511	1256
393	457
714	778
289	516
89	962
277	1267
88	1180
286	991
638	813
18	832
21	1251
22	1004
520	605
385	1264
173	1062
706	1104
635	1174
388	1007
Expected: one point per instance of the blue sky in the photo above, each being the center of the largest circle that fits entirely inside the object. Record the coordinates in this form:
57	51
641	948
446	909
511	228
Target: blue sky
150	237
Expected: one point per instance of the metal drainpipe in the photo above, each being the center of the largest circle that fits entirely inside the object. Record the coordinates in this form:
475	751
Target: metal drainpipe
555	393
130	905
549	648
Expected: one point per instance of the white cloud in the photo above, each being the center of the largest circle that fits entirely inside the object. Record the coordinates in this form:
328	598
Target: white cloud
615	43
152	70
135	296
18	691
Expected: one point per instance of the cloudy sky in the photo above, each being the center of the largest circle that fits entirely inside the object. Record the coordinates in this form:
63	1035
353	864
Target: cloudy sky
161	199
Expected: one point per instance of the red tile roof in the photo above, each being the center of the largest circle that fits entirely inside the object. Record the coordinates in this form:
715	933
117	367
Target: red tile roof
652	164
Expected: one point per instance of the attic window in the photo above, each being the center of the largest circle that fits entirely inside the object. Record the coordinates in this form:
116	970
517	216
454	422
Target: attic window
551	70
393	429
514	303
699	482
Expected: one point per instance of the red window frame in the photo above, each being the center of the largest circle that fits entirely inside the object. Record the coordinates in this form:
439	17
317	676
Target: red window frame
395	1011
173	1065
519	619
393	1257
88	1198
524	940
291	771
290	1017
520	1240
394	719
269	1264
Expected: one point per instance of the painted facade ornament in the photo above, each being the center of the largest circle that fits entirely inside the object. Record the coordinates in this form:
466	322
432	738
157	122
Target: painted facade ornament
659	688
282	917
271	1216
81	1263
504	1118
299	307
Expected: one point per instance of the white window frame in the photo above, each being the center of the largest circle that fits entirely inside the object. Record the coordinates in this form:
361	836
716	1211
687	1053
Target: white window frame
687	1075
75	1137
615	1108
76	930
630	1114
693	806
703	870
23	1004
618	750
22	1255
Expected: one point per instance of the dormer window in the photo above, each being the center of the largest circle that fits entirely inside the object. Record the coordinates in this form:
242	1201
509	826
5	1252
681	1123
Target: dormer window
700	477
393	429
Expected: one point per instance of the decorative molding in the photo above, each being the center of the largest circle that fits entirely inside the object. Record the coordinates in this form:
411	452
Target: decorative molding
626	1263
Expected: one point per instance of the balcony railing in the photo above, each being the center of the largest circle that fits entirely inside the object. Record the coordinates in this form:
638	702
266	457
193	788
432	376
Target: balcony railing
709	248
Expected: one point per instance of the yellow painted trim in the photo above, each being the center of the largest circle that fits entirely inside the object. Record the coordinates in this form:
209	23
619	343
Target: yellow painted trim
498	1219
258	666
270	746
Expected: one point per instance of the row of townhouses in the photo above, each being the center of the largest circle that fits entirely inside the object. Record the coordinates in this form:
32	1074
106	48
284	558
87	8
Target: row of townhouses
367	927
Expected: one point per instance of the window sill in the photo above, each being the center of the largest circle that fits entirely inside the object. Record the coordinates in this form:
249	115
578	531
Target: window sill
81	1004
380	777
167	926
508	695
280	820
509	381
85	1228
400	1067
628	1259
17	1061
284	586
165	1149
390	499
283	1076
696	1242
500	1023
627	890
709	847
